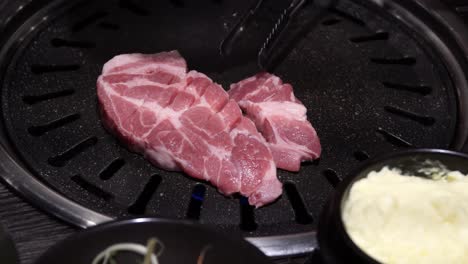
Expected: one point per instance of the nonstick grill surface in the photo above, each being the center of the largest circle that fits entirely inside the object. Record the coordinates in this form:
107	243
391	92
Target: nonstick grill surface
371	85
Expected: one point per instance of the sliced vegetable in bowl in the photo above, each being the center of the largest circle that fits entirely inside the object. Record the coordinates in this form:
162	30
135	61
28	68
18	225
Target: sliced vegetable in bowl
107	255
152	241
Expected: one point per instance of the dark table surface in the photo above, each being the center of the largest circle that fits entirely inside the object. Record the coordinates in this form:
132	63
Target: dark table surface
33	230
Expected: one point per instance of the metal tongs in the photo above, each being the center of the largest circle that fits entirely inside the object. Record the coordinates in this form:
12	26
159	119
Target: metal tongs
283	25
277	33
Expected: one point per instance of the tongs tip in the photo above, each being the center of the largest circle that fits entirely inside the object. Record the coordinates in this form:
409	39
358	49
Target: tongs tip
283	22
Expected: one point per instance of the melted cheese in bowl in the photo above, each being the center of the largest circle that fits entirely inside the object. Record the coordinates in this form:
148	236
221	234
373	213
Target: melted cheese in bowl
407	219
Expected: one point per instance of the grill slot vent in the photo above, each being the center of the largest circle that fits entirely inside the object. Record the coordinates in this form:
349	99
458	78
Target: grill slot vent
419	89
196	202
139	206
332	177
348	17
361	155
111	169
40	130
370	38
303	216
247	215
61	159
41	69
58	42
91	188
422	119
33	99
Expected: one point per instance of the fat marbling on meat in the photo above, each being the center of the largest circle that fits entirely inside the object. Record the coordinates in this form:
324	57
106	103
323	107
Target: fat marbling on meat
280	117
184	121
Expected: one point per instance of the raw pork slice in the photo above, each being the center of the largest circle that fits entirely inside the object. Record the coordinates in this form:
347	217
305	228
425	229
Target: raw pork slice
280	117
184	121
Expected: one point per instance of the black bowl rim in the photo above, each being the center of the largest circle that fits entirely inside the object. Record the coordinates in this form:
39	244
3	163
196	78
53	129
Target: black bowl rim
350	180
135	220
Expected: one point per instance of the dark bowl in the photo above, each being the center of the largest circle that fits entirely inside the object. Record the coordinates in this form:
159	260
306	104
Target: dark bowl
335	244
183	243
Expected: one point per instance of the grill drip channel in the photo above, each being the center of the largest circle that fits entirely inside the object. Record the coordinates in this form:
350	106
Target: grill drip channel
370	85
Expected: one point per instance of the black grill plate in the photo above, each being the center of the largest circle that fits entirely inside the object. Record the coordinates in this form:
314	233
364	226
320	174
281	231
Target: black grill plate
370	84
